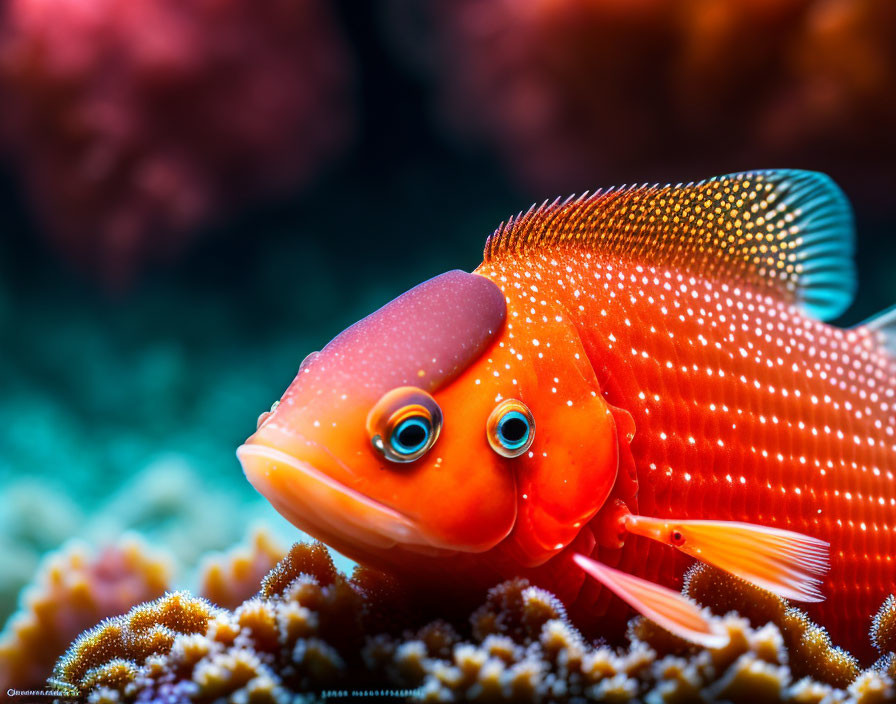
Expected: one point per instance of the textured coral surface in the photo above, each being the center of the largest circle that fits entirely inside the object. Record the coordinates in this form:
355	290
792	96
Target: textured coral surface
73	590
303	631
311	630
137	121
75	587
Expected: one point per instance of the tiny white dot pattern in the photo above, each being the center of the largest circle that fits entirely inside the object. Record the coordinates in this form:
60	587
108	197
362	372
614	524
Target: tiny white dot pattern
746	408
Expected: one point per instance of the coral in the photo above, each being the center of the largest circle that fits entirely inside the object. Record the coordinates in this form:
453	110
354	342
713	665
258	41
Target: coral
230	578
523	648
310	628
883	636
883	627
108	654
301	633
143	420
142	411
142	121
578	93
35	518
158	504
811	650
73	590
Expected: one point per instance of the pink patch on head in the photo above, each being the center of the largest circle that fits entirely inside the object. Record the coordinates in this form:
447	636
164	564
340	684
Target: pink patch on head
423	338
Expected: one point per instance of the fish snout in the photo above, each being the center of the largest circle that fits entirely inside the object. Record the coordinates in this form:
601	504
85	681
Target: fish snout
304	490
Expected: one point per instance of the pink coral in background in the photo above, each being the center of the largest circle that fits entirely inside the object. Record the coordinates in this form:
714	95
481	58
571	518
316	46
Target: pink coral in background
74	588
137	122
576	93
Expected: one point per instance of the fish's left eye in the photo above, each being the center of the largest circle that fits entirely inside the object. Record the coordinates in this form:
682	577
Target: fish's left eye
510	428
404	424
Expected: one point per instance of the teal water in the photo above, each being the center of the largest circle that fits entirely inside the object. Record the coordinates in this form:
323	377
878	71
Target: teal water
122	412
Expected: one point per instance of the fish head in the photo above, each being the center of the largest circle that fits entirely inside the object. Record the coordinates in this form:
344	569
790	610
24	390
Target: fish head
427	428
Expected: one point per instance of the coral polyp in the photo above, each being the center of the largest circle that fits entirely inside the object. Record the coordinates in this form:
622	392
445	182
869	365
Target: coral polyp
311	629
109	654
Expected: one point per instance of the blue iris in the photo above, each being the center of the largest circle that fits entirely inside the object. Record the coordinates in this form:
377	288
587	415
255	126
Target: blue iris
513	430
411	435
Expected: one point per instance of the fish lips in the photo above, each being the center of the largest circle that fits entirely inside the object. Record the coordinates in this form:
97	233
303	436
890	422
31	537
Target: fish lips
329	510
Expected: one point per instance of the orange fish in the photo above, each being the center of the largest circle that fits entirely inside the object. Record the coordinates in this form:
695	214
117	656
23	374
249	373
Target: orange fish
631	380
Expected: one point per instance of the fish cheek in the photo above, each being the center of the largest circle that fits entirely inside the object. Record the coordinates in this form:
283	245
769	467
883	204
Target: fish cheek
462	492
574	459
567	480
467	501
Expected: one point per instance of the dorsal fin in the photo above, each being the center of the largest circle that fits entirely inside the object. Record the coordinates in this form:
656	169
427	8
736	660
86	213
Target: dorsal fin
787	232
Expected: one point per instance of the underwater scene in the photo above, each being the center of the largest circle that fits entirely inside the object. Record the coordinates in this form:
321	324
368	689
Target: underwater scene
447	350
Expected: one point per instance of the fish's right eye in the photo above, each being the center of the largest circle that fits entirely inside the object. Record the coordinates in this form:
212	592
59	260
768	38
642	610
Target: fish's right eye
510	428
404	424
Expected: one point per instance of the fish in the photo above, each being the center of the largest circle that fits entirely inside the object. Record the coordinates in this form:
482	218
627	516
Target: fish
633	380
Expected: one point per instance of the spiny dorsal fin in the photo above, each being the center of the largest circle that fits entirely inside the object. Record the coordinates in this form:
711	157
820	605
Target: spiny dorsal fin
787	232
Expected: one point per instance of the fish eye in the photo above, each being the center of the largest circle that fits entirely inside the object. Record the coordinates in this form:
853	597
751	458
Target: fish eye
411	435
510	428
404	424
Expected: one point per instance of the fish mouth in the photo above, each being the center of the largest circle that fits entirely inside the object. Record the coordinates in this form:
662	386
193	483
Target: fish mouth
329	510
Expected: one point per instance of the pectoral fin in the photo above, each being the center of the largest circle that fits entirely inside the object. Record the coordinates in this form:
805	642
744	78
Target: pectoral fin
674	612
781	561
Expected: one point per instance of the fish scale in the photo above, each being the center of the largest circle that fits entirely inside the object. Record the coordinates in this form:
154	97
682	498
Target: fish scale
747	411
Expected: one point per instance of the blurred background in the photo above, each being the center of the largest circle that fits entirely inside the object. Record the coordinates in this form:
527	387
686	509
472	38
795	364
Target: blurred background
194	194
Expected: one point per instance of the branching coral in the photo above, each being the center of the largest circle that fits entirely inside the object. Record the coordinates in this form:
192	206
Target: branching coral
139	121
311	628
108	655
73	590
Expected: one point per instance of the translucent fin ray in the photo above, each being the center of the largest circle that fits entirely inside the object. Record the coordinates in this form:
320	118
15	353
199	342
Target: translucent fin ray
786	563
671	610
788	233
